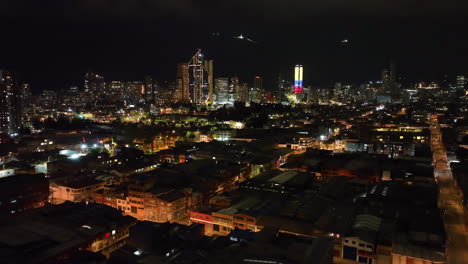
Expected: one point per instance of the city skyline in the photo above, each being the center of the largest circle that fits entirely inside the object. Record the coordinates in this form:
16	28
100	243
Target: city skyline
248	131
52	52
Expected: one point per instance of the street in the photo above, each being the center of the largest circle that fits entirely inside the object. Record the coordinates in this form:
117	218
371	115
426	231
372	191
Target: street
450	200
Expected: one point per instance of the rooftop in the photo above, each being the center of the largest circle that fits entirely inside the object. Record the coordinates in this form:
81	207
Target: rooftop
50	231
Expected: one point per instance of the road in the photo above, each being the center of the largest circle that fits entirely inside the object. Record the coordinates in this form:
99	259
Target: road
450	200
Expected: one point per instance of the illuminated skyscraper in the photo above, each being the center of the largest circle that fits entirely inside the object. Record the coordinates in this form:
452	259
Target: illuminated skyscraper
26	101
5	94
94	85
389	81
461	82
221	90
197	80
149	89
11	103
337	91
242	94
256	94
209	70
233	89
182	82
258	83
298	77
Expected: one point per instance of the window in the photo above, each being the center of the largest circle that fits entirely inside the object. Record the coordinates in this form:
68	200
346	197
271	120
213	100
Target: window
361	245
216	228
134	210
354	242
369	246
362	259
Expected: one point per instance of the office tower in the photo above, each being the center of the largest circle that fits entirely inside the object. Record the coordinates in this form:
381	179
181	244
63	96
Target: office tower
26	91
258	83
197	81
4	105
242	94
149	89
71	98
461	82
221	90
389	81
47	99
115	86
309	94
298	77
26	101
94	85
386	80
233	89
133	92
209	70
256	92
337	91
11	103
182	82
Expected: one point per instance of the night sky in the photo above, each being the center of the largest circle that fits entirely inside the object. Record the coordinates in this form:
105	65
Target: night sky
52	43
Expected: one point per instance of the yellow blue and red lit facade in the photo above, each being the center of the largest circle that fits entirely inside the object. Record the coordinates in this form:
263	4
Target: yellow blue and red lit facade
298	75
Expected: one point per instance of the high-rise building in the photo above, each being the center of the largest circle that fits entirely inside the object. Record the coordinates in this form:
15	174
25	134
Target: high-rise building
133	92
233	89
337	91
256	94
182	82
389	81
298	78
94	85
11	103
5	94
209	70
149	89
461	82
201	84
197	80
47	99
242	94
26	101
221	90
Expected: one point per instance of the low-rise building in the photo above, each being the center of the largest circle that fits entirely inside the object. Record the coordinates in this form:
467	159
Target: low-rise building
19	193
74	190
55	232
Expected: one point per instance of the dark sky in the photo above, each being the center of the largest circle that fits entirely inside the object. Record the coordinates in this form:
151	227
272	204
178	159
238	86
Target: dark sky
51	43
